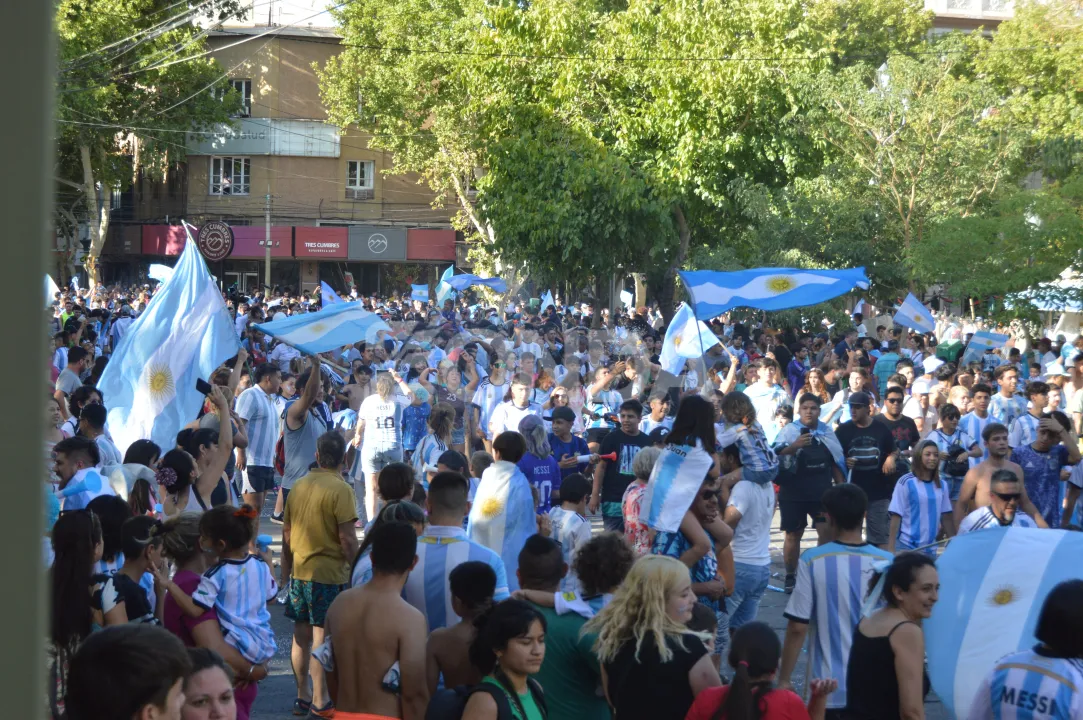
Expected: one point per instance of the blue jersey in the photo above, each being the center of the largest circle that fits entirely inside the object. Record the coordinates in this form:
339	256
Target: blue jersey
239	591
544	476
832	584
575	447
1030	685
1041	476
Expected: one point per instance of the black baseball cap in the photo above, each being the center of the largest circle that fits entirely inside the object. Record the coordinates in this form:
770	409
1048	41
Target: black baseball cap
860	399
564	413
454	460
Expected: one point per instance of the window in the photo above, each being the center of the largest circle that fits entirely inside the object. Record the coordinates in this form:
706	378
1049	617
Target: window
359	174
230	175
244	89
114	198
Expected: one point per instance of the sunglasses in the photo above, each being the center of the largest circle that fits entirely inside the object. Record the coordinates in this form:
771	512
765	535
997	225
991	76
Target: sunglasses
708	494
894	400
1008	497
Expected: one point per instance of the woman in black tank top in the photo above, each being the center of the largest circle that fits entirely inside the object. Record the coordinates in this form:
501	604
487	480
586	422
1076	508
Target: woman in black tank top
885	676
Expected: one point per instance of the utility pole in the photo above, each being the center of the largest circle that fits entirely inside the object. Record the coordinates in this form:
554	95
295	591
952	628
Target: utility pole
267	240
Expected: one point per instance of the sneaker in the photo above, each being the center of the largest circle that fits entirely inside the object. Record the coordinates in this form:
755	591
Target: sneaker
276	519
324	713
301	707
791	581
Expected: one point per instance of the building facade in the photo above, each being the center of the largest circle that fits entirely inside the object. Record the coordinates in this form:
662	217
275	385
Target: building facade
969	15
334	214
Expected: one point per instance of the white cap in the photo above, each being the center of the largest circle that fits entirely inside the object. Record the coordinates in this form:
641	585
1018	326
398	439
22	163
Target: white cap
920	387
931	364
1055	369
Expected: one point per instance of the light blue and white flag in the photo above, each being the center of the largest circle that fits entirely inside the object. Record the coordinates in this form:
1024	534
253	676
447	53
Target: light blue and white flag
419	293
685	338
626	298
331	328
713	293
51	289
159	272
462	282
980	342
677	476
185	334
914	315
546	301
75	284
503	515
861	307
328	295
444	290
992	586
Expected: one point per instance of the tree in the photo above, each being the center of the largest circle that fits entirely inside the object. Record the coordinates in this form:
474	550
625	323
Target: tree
133	78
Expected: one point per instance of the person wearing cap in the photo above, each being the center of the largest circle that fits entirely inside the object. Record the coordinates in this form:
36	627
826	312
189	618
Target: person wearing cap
810	461
1057	377
867	445
920	409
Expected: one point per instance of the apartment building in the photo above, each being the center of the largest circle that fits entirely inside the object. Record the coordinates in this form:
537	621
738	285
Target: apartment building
334	214
969	15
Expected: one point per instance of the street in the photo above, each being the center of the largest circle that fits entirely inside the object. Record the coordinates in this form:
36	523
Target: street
277	692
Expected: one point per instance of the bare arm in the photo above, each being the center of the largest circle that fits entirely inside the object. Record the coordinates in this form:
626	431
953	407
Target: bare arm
347	540
732	516
893	531
596	493
285	563
295	415
947	524
703	675
238	369
909	647
118	615
701	542
966	495
791	650
415	688
1072	496
432	664
210	477
208	634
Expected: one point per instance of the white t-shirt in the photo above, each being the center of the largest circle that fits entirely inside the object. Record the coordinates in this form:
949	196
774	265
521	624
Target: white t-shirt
507	416
383	422
752	536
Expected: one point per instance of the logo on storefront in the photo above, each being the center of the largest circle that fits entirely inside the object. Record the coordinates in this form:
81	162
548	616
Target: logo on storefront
377	243
215	240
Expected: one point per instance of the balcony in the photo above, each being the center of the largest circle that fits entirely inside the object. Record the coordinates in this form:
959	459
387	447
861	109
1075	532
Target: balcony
995	10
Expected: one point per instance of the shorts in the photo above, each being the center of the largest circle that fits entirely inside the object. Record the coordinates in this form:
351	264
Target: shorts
956	484
309	600
792	514
257	479
458	435
877	522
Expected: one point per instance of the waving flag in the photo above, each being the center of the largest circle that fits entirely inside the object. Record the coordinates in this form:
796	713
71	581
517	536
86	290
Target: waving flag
914	315
713	293
502	516
419	293
75	284
992	586
332	327
861	307
462	282
546	301
677	476
184	334
685	338
982	341
161	273
328	295
51	290
444	289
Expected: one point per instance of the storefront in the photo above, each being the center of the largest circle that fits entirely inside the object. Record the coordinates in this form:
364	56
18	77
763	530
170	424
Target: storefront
246	265
320	249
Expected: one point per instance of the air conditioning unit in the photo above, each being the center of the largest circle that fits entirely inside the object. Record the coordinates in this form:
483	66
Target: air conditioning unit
360	193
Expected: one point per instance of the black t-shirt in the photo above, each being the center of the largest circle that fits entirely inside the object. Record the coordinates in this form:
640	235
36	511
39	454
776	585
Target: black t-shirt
905	434
869	446
783	356
650	689
618	473
805	475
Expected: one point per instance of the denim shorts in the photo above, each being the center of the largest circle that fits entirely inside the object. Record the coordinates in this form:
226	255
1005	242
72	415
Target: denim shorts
749	585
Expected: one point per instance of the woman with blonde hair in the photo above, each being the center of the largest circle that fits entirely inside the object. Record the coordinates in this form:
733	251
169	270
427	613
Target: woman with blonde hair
652	665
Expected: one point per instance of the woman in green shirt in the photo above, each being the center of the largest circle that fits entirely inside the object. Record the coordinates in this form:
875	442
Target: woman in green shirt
508	649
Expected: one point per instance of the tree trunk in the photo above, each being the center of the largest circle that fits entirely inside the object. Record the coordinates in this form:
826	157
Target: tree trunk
669	282
98	221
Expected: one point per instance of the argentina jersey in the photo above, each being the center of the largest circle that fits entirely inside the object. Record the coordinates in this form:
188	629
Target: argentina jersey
973	425
486	398
440	550
1030	686
832	584
1006	410
1023	431
919	505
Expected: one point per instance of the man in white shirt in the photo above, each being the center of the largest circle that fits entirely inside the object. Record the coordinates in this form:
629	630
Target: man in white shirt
507	415
749	512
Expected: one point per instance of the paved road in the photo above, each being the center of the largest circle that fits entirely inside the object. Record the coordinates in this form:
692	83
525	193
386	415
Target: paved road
277	692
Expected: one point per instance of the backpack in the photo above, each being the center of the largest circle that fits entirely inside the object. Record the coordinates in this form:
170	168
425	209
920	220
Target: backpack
449	703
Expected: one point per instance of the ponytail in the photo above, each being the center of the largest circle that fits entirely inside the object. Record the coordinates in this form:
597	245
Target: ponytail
755	652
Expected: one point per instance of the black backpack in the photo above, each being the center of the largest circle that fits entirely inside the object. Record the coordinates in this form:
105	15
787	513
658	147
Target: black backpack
449	703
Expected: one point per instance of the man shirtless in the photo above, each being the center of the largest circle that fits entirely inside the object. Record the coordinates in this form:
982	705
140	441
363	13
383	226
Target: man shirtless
975	493
360	388
372	629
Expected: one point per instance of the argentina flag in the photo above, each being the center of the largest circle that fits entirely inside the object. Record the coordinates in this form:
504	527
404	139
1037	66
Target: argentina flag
159	272
914	315
51	290
713	293
328	294
419	293
462	282
444	291
503	515
546	301
980	342
685	338
332	327
992	586
184	334
677	476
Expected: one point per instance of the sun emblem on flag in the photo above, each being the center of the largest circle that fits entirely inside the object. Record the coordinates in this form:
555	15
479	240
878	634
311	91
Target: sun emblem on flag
677	341
919	318
780	284
159	381
491	507
1004	595
318	327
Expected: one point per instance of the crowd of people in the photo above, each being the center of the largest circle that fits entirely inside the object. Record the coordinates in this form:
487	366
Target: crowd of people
470	446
